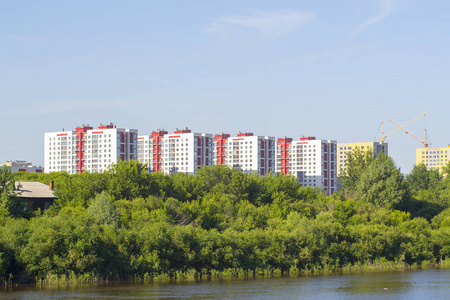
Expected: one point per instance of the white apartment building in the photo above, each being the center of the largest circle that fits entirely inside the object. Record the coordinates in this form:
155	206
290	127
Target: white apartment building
313	162
88	149
247	152
149	149
22	166
145	150
185	151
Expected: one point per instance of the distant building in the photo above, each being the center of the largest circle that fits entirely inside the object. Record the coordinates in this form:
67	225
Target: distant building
35	194
435	158
22	166
220	148
149	149
246	152
312	161
345	148
184	151
89	149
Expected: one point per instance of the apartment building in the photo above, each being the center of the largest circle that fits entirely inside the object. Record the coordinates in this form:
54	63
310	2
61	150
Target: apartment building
345	148
22	166
149	149
185	151
220	148
435	158
247	152
88	149
312	161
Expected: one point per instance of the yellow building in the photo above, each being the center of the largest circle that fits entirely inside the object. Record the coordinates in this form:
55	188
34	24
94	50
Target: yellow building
344	148
435	158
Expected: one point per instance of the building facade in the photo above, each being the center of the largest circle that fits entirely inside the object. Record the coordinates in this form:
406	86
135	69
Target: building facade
312	161
149	149
185	151
435	158
22	166
345	148
88	149
246	152
220	148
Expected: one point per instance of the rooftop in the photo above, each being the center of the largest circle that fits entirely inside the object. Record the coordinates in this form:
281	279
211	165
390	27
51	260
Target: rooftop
33	189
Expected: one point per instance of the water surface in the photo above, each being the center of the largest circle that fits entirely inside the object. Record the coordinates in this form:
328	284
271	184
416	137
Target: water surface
417	284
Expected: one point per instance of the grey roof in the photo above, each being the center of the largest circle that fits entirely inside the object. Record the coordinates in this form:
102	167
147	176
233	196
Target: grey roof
33	189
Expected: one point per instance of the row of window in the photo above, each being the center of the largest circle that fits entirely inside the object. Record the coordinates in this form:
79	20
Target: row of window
434	152
63	138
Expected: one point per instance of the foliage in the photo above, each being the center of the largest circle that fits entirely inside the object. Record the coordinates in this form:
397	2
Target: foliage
128	180
103	211
382	183
6	180
356	164
126	223
10	204
422	179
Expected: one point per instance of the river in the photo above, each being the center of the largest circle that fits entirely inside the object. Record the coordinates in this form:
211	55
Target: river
415	284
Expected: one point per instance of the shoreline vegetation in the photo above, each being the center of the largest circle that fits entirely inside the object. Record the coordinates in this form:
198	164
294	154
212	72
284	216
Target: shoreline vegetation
127	224
193	275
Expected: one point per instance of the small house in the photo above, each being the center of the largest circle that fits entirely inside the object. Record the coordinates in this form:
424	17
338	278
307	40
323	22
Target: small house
35	194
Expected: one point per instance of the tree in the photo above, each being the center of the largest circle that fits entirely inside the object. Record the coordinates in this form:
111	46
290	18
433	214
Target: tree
356	164
6	180
10	204
78	189
382	183
446	172
422	179
128	180
429	192
104	211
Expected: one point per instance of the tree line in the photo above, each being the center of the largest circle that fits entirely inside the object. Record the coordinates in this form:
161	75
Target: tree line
126	223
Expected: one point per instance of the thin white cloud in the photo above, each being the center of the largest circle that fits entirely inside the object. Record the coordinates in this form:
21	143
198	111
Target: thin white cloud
386	8
267	24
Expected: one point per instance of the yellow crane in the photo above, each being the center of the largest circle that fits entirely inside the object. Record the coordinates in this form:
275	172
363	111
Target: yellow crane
383	136
423	141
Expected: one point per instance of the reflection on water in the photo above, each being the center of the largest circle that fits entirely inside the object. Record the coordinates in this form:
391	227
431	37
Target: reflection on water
422	284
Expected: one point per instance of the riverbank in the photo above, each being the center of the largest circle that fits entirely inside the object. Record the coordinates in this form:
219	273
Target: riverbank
193	276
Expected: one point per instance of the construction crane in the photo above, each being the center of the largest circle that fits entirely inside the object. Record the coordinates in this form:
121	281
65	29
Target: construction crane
383	136
423	141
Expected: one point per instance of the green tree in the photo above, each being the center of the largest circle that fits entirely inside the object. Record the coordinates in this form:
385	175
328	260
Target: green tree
382	183
103	211
186	187
429	192
10	204
215	176
422	179
442	219
6	180
128	180
356	164
78	189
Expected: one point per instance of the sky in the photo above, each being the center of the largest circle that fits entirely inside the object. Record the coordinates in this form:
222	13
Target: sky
330	69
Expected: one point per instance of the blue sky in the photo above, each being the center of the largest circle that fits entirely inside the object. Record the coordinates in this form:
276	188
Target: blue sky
330	69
